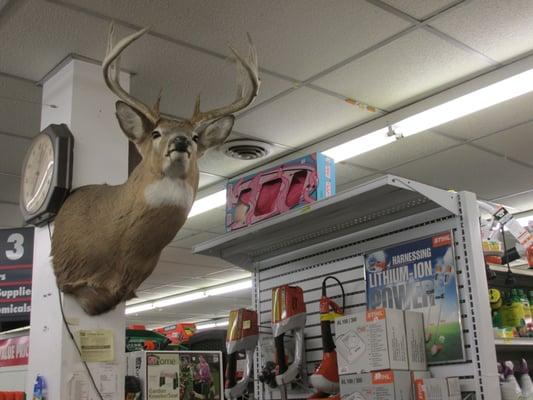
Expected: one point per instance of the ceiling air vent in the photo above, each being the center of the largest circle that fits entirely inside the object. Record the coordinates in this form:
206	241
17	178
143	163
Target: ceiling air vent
246	149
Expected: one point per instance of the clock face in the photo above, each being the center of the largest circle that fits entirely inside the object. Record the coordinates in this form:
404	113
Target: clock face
38	173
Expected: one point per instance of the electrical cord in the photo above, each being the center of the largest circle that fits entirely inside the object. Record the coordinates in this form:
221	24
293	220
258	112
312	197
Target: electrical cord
72	335
509	279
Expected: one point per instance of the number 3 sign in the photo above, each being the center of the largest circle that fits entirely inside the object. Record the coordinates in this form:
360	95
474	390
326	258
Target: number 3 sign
16	259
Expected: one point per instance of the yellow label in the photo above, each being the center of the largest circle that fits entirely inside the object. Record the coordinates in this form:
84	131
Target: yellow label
96	345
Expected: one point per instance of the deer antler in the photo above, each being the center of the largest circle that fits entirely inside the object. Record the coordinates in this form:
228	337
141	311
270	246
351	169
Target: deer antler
247	88
111	66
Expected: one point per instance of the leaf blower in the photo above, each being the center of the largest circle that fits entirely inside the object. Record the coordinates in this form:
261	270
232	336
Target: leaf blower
288	314
242	335
325	379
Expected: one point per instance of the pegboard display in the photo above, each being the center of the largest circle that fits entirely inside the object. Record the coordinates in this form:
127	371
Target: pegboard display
341	254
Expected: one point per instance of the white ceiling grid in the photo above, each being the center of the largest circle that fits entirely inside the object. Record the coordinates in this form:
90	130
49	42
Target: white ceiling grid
314	56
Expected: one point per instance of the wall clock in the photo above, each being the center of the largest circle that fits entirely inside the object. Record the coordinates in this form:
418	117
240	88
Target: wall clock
46	174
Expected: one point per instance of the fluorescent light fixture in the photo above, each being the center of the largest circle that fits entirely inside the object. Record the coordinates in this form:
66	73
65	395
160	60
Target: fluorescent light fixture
477	100
186	298
360	145
469	103
210	325
207	203
229	288
205	326
139	308
189	297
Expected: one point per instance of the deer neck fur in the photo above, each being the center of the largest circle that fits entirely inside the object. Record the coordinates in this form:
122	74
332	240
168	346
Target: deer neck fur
161	201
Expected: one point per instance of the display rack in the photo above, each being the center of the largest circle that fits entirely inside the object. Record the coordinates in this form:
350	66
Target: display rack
331	236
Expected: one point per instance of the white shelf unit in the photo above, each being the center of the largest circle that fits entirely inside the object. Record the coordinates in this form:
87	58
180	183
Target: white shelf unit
331	236
521	271
514	344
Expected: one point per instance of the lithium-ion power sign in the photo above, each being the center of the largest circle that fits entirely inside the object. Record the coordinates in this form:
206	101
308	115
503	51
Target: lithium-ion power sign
16	261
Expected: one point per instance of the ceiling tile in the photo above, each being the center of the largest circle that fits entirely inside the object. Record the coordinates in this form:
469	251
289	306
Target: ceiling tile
498	29
520	202
467	168
13	152
207	179
20	106
212	221
357	182
291	37
404	150
184	233
414	66
420	9
10	188
492	119
301	117
345	173
515	143
191	241
48	33
10	216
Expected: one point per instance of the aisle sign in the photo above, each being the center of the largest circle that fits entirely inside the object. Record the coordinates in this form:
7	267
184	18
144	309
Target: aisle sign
16	261
14	351
420	275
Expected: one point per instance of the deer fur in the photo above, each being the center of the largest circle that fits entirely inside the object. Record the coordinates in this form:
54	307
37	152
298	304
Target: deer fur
108	239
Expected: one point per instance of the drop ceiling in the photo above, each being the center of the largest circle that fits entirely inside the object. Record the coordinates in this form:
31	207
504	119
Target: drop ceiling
322	64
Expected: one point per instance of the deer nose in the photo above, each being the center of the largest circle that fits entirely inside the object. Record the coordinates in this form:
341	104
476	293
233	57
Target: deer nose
182	143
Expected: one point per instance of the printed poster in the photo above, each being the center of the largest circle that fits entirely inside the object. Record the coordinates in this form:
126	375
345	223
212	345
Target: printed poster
201	375
420	275
163	380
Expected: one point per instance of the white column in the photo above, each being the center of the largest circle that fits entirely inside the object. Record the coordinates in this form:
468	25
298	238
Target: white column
100	155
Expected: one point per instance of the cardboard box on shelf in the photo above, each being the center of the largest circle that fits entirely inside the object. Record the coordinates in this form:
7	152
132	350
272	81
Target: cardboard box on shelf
379	385
371	340
416	346
437	389
276	190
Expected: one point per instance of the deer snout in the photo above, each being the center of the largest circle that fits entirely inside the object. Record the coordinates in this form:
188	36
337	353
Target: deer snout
180	144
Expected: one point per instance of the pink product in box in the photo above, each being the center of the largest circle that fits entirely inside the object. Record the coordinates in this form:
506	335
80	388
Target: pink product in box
265	194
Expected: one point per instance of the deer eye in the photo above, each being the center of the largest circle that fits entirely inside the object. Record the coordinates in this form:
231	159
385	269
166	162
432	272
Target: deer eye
196	138
156	134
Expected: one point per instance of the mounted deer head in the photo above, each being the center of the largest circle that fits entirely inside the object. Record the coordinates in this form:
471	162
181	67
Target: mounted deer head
107	239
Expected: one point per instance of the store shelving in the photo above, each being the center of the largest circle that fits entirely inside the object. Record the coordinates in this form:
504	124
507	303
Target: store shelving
521	271
514	344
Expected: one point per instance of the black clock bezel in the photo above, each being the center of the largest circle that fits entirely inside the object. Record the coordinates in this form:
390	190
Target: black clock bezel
63	144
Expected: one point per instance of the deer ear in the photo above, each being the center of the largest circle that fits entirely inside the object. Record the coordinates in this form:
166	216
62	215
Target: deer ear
216	132
133	124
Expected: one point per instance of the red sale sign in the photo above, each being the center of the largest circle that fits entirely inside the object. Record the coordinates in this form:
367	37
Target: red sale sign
14	351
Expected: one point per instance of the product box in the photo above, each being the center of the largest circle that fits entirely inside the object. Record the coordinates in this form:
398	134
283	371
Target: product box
262	195
177	374
380	385
416	346
371	341
437	389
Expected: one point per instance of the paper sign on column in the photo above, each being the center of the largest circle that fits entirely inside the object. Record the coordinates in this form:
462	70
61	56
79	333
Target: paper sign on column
107	381
79	386
96	345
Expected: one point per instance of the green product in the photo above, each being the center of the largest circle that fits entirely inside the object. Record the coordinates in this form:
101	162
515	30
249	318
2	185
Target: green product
497	319
530	295
527	310
512	310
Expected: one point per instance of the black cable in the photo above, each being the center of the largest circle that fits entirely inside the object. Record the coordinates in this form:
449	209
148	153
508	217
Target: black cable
509	279
72	335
